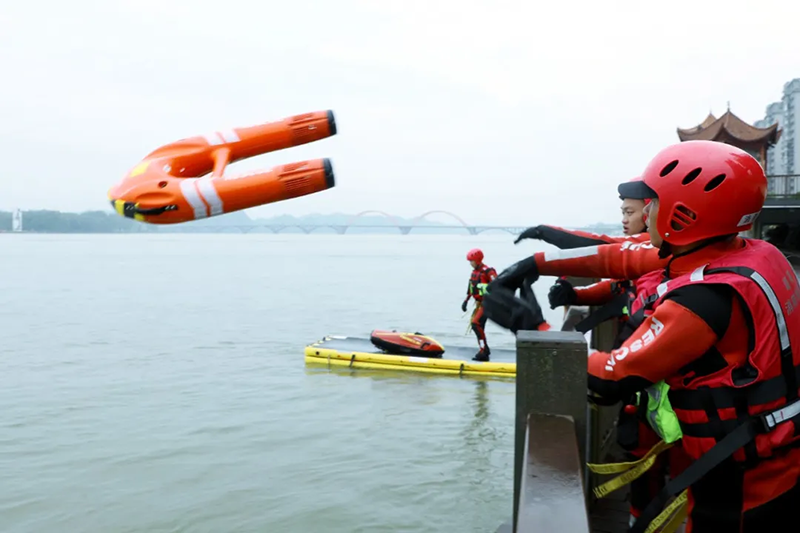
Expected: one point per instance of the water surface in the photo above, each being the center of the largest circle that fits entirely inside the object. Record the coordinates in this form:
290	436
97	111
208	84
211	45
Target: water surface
156	383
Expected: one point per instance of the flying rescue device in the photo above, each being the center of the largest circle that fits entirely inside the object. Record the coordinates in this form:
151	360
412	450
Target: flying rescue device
184	180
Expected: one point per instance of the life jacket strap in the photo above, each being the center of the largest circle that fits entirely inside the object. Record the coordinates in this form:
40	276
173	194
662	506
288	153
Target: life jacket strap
733	441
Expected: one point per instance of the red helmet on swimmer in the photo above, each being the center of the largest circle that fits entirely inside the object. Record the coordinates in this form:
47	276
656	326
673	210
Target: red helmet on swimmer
475	255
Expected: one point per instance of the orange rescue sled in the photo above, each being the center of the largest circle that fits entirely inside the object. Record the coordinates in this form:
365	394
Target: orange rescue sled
170	185
398	343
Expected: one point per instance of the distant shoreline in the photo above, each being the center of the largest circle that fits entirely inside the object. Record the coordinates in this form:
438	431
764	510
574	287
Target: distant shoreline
59	222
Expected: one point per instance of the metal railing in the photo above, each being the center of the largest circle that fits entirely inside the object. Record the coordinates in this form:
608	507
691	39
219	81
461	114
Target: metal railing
557	431
783	186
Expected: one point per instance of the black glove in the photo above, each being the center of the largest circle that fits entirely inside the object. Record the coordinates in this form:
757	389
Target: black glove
509	312
561	293
530	233
464	305
514	276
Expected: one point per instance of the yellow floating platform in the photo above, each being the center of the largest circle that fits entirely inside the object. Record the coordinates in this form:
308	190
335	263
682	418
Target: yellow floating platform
356	352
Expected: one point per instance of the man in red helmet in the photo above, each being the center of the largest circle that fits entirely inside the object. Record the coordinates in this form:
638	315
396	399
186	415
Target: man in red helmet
723	332
481	276
613	296
620	300
633	226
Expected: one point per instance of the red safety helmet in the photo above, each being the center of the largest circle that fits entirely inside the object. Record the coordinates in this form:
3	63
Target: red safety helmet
704	188
475	255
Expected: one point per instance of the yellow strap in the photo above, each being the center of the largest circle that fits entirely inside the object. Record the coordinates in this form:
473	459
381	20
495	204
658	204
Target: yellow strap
632	470
679	507
616	468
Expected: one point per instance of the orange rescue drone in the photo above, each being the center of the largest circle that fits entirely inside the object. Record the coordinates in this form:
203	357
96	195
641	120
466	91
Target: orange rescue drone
184	180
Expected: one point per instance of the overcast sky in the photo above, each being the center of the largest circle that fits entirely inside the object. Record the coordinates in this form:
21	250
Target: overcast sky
505	112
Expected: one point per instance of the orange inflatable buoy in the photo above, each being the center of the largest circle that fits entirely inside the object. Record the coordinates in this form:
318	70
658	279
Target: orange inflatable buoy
184	180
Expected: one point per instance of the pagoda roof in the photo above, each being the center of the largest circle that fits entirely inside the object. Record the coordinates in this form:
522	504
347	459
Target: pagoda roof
729	126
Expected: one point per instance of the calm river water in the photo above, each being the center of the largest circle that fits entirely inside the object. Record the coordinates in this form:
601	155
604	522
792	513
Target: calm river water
156	383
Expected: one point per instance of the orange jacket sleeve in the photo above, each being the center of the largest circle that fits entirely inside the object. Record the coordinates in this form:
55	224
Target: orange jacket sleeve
595	294
620	261
655	351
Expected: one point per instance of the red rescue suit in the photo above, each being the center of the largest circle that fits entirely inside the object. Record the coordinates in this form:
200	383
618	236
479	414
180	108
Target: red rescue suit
733	388
630	302
634	432
481	274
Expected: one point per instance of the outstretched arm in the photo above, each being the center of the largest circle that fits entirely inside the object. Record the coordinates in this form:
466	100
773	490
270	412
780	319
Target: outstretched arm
566	239
562	293
598	293
625	261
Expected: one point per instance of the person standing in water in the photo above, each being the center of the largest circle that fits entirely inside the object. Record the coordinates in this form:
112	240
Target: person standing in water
481	276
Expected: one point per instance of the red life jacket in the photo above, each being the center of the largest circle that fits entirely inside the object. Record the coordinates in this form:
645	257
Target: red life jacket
634	433
482	274
631	305
769	289
646	290
640	305
751	411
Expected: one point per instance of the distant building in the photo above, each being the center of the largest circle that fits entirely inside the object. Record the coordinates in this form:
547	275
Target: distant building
732	130
16	221
784	157
775	158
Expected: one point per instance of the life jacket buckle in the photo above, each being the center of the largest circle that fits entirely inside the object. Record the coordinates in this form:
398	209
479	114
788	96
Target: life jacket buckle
771	420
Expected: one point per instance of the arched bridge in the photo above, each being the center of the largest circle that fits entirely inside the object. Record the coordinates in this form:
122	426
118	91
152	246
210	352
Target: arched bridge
417	222
355	221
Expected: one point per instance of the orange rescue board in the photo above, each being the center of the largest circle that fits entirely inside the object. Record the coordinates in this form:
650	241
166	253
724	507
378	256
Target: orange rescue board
184	180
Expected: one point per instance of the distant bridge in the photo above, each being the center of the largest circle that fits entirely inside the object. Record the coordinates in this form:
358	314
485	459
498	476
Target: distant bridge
403	228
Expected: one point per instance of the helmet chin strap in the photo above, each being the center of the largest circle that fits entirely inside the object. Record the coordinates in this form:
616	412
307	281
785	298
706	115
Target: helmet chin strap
665	250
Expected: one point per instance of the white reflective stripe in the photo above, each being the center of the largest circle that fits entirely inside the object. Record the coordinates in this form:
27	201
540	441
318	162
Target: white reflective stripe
783	414
776	308
697	274
662	289
213	139
574	253
229	136
205	186
193	197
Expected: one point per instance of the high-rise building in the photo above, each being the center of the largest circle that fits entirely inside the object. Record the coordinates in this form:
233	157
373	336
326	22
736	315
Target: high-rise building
775	159
783	158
